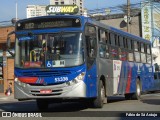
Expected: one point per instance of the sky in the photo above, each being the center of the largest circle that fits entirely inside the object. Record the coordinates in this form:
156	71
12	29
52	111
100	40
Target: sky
8	7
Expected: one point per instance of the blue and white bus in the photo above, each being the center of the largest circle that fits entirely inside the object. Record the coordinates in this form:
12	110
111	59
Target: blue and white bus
66	57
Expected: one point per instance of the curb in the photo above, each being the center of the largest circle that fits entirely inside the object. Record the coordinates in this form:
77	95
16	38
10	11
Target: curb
6	98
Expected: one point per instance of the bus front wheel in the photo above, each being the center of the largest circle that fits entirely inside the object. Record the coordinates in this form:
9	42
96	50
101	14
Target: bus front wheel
101	98
42	104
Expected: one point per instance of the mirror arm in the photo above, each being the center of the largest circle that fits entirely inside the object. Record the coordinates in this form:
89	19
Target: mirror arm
13	55
8	43
11	33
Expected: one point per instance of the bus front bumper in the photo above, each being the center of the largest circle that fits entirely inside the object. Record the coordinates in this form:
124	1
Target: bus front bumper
64	90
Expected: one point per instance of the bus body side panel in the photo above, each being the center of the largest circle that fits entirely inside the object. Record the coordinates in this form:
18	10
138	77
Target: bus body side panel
130	72
121	76
146	76
91	78
105	67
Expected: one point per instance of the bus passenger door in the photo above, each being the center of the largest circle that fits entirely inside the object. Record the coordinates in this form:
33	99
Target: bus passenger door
91	51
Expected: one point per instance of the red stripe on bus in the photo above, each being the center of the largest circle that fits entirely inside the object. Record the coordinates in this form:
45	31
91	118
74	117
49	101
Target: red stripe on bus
128	81
28	79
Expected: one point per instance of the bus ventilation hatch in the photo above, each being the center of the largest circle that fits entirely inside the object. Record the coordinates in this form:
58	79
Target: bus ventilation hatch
46	73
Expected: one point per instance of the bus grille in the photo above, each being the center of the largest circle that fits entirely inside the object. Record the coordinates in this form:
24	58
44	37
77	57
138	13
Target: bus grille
46	73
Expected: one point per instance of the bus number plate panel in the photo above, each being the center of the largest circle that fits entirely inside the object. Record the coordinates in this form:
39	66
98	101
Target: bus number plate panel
45	91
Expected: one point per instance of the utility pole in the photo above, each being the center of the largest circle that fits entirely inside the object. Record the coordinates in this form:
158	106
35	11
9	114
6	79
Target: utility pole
128	15
16	11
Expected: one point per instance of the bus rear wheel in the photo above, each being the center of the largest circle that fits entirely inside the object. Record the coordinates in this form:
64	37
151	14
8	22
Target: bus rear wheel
42	104
137	95
101	98
128	96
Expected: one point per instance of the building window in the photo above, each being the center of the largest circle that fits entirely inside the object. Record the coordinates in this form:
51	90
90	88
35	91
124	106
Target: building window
56	3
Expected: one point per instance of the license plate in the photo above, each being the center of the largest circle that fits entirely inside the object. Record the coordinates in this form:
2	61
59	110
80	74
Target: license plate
45	91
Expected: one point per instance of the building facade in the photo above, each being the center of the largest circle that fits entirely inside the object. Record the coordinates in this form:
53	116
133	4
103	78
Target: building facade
79	3
36	10
6	60
151	26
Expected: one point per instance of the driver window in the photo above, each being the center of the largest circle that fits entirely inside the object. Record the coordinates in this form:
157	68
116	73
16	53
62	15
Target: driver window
90	33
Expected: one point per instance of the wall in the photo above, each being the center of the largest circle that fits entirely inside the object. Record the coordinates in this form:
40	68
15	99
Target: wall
4	32
120	24
8	63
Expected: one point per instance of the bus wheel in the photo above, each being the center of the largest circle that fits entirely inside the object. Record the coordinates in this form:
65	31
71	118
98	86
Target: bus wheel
137	95
98	102
42	104
128	96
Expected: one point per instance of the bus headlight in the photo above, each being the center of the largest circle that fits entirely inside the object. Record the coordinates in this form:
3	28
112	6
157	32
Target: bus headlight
20	83
16	79
80	76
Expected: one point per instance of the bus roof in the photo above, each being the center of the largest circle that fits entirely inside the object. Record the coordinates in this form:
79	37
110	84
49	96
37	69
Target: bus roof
91	21
102	25
52	16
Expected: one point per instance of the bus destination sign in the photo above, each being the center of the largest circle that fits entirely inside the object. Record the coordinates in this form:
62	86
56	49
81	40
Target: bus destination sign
62	9
44	23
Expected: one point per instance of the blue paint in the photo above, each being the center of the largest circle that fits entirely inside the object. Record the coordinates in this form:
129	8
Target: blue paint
146	77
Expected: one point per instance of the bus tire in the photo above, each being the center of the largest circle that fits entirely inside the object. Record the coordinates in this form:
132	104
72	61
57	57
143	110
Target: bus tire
98	102
128	96
42	104
137	95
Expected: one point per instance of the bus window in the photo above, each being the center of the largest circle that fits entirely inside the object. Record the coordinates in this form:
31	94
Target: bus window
148	49
142	47
90	33
113	53
130	48
143	55
122	54
130	56
125	42
135	46
112	38
116	40
129	44
121	42
102	36
149	54
102	50
107	52
107	36
137	56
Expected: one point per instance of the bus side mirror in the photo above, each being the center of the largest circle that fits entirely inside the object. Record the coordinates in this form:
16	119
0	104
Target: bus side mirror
9	43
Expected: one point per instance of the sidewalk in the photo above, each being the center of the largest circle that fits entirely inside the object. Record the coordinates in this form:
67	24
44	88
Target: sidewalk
3	97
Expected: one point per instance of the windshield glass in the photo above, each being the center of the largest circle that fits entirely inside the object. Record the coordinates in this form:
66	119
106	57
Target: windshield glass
49	50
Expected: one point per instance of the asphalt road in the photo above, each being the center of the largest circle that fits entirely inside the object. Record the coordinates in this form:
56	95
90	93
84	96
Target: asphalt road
147	108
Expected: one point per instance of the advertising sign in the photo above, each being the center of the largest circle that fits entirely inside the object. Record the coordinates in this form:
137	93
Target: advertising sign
150	22
62	9
146	21
156	25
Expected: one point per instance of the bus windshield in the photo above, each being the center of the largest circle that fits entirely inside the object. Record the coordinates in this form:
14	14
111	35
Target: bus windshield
49	50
